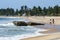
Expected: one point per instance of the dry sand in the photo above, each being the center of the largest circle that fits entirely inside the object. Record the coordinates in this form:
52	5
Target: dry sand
45	19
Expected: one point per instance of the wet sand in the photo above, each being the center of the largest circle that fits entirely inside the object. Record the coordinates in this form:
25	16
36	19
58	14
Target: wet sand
53	33
55	36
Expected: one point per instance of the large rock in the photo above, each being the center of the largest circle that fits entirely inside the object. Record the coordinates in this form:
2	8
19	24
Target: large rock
35	23
20	23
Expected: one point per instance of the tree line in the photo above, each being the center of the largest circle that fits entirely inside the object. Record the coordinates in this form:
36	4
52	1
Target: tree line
35	11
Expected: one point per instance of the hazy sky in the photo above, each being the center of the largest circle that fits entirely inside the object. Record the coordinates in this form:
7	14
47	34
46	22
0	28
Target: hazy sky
16	4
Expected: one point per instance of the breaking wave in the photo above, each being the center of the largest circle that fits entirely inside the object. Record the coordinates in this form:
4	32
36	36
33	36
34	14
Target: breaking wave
7	24
8	31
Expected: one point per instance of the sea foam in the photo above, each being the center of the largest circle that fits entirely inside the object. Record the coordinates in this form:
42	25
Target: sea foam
8	27
19	37
26	35
7	24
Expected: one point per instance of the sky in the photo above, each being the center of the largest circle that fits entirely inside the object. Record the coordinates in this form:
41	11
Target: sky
16	4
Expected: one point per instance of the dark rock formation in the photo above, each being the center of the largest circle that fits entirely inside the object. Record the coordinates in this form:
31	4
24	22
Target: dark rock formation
22	23
34	23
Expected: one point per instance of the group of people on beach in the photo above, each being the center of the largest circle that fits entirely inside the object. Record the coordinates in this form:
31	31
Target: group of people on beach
52	21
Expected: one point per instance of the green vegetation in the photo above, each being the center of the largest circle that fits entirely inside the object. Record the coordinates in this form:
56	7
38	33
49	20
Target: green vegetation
35	11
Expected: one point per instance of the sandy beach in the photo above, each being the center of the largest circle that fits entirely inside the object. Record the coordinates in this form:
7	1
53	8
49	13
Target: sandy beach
44	19
53	32
55	36
53	29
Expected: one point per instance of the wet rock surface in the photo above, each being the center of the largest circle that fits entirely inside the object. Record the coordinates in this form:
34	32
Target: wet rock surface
22	23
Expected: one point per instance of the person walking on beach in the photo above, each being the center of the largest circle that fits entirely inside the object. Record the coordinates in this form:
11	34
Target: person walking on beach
53	21
50	21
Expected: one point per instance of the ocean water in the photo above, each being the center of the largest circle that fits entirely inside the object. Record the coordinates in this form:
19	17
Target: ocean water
8	31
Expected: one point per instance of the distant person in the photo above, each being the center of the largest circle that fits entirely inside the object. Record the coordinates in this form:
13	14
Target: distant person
53	21
50	21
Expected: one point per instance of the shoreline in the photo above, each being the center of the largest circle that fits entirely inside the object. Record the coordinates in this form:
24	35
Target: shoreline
40	19
53	36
